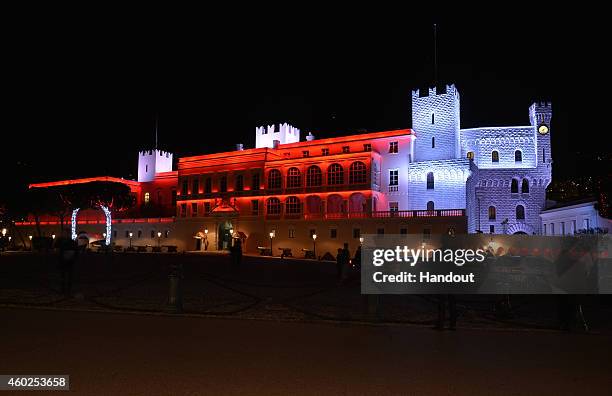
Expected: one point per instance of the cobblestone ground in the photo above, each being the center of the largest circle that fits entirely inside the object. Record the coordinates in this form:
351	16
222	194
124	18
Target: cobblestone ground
261	288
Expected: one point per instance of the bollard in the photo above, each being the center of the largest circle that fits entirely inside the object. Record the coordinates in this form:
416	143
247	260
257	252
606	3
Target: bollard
175	295
372	306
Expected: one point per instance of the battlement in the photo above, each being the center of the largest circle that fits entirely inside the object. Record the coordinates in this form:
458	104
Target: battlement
432	91
266	136
156	152
541	106
151	162
540	112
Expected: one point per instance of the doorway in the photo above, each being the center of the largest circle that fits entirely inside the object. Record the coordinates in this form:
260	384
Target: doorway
225	236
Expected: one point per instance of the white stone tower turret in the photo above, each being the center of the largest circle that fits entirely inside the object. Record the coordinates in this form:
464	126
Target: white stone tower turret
151	162
435	120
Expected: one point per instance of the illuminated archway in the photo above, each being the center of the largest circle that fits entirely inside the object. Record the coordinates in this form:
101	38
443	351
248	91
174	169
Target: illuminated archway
109	222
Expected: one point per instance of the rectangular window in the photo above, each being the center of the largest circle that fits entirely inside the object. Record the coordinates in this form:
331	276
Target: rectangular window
152	234
356	233
223	184
305	153
393	206
115	234
255	181
586	224
291	232
426	234
127	234
393	147
563	228
380	231
552	228
573	226
393	179
492	229
325	151
185	187
206	208
403	231
544	229
367	147
255	207
139	233
333	233
239	182
195	187
345	149
194	209
208	185
184	210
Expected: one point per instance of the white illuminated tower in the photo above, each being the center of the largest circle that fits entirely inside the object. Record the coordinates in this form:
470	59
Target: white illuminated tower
151	162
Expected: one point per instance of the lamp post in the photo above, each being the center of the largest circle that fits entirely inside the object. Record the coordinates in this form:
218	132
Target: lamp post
30	238
205	238
314	245
131	235
158	238
3	232
361	240
271	236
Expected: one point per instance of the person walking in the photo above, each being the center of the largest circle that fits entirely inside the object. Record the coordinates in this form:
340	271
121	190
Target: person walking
237	252
345	266
68	251
339	261
444	301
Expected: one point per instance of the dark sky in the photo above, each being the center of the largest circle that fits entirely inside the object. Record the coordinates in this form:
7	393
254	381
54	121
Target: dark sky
82	96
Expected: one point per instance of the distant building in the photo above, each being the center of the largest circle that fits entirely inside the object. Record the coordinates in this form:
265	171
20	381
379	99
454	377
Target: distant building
574	217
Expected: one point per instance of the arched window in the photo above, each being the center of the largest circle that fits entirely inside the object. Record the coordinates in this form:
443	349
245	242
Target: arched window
430	181
293	178
147	198
314	177
430	205
518	156
335	174
514	187
357	173
293	205
239	183
520	212
470	155
432	118
273	206
525	186
274	179
495	156
492	213
433	142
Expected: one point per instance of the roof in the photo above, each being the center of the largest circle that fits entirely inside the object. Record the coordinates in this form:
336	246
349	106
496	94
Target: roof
578	202
131	183
260	153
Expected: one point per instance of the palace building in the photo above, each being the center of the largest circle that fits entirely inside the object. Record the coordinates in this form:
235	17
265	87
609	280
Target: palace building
431	179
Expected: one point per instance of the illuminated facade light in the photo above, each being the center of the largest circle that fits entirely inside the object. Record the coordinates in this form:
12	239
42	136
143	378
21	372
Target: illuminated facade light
73	225
109	224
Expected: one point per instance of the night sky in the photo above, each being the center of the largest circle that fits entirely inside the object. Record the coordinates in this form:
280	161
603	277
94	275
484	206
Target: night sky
83	95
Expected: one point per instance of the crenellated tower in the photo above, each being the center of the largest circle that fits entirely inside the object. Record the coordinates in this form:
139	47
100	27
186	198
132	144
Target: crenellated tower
540	114
151	162
435	119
